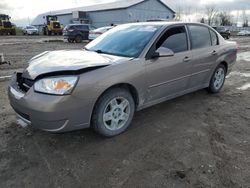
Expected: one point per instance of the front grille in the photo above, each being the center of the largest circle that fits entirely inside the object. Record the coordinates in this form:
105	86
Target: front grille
56	25
7	25
23	83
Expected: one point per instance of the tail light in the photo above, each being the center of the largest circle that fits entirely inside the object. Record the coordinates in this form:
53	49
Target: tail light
97	33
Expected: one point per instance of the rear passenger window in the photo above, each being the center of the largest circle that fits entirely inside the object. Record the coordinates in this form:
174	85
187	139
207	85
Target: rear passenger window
174	39
200	37
214	38
82	27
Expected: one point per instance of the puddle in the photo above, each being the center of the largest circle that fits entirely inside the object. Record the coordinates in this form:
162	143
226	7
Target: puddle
244	56
244	87
241	74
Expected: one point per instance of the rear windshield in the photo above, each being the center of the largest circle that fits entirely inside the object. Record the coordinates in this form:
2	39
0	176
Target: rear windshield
68	27
221	29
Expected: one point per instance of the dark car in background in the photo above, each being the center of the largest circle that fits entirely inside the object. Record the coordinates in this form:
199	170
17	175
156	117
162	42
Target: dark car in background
77	32
225	33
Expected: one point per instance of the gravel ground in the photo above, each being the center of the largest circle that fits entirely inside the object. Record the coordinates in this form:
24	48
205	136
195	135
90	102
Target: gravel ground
198	140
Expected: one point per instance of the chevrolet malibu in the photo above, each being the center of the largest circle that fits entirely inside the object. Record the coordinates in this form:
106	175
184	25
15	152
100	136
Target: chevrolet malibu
129	68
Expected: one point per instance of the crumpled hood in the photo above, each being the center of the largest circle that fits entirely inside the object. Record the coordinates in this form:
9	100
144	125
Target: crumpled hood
67	60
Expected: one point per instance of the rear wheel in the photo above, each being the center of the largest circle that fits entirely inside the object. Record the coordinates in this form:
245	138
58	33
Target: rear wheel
113	112
218	79
13	32
70	40
78	39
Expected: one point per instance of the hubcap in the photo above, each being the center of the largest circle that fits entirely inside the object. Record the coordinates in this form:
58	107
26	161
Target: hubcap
116	113
219	78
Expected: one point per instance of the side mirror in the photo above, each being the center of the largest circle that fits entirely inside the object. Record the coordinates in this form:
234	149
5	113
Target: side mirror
163	52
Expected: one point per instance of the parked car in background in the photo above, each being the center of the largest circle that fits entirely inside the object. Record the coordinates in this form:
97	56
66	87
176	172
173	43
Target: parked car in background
128	68
77	32
243	33
225	33
97	32
30	30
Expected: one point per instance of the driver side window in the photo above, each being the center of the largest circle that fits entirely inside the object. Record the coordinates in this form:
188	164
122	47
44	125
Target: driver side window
174	39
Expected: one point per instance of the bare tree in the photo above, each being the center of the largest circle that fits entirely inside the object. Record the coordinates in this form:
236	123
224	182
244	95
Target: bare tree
245	24
245	19
225	18
211	13
179	12
202	20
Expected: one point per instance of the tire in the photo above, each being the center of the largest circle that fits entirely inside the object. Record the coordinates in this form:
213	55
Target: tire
78	39
118	117
218	79
13	32
44	31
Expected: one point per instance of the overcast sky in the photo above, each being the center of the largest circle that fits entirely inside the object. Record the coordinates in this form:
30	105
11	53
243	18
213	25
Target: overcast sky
24	9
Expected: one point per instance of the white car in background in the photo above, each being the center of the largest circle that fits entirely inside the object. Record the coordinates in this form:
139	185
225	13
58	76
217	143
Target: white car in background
244	33
30	30
97	32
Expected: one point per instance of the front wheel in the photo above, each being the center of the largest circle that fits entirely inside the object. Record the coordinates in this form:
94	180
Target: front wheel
218	79
113	112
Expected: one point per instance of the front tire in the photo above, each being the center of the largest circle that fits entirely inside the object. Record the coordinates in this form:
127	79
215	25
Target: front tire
113	112
218	79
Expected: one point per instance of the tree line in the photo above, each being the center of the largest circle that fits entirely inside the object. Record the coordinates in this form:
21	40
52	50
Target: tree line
212	16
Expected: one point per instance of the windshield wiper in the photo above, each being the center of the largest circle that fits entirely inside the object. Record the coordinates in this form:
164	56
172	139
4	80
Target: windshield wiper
103	52
97	51
100	52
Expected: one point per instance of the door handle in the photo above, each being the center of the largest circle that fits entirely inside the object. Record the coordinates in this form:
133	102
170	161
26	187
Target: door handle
214	52
187	59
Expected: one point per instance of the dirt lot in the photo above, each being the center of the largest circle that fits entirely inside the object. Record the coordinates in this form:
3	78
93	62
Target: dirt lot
198	140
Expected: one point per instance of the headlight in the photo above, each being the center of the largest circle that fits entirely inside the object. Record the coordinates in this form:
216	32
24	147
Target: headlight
56	85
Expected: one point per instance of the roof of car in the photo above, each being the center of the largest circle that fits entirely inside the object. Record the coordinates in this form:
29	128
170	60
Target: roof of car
78	24
164	23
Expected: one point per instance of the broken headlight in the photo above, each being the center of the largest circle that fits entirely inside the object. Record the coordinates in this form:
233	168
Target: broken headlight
56	85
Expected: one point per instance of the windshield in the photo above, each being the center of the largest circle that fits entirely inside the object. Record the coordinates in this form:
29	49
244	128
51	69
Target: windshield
124	40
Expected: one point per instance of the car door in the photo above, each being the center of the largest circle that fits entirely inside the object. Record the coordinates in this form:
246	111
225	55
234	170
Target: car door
168	76
204	47
85	32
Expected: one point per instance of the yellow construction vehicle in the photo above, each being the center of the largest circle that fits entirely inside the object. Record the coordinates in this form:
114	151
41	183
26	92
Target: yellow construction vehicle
6	27
52	26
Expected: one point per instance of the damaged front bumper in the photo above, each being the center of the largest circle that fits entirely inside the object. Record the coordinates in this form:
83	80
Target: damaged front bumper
47	112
